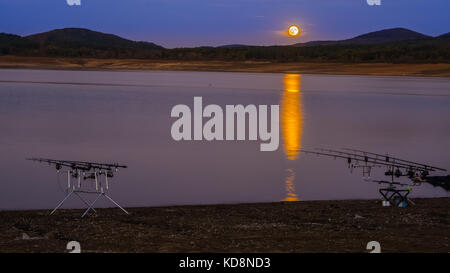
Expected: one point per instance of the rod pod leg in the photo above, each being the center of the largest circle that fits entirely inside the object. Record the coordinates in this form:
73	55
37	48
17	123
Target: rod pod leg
62	202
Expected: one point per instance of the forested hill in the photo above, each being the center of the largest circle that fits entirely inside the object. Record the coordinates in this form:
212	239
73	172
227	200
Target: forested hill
396	45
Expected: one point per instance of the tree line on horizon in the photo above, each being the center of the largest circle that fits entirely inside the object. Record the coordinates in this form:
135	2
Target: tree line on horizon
434	50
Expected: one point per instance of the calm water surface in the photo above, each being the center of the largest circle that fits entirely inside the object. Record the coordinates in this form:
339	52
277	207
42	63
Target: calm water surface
125	117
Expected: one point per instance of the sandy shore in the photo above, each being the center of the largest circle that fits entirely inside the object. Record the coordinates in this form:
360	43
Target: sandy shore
378	69
310	226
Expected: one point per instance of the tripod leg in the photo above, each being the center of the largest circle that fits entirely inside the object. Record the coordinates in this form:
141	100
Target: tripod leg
84	201
385	195
115	203
90	206
409	200
391	198
62	202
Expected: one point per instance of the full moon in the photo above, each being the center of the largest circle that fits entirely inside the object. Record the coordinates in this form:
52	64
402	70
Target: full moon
293	31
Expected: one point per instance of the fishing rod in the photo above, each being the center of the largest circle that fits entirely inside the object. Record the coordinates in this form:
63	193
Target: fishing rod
388	158
81	165
365	159
417	172
90	170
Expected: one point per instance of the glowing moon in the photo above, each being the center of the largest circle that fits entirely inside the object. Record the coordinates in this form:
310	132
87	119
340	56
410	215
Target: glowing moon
293	31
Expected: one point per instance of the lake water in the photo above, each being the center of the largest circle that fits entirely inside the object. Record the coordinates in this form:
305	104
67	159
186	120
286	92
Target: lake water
125	117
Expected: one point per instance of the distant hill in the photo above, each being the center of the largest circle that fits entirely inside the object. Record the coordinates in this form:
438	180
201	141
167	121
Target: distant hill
233	45
397	45
376	37
76	42
387	35
72	37
445	36
11	44
10	38
16	40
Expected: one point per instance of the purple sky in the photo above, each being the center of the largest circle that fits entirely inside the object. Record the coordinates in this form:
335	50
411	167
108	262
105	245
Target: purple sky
186	23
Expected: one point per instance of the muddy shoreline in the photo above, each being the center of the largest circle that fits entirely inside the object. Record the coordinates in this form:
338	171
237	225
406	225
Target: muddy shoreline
372	69
306	226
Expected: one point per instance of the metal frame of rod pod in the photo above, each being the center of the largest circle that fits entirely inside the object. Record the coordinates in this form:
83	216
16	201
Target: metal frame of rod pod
91	170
